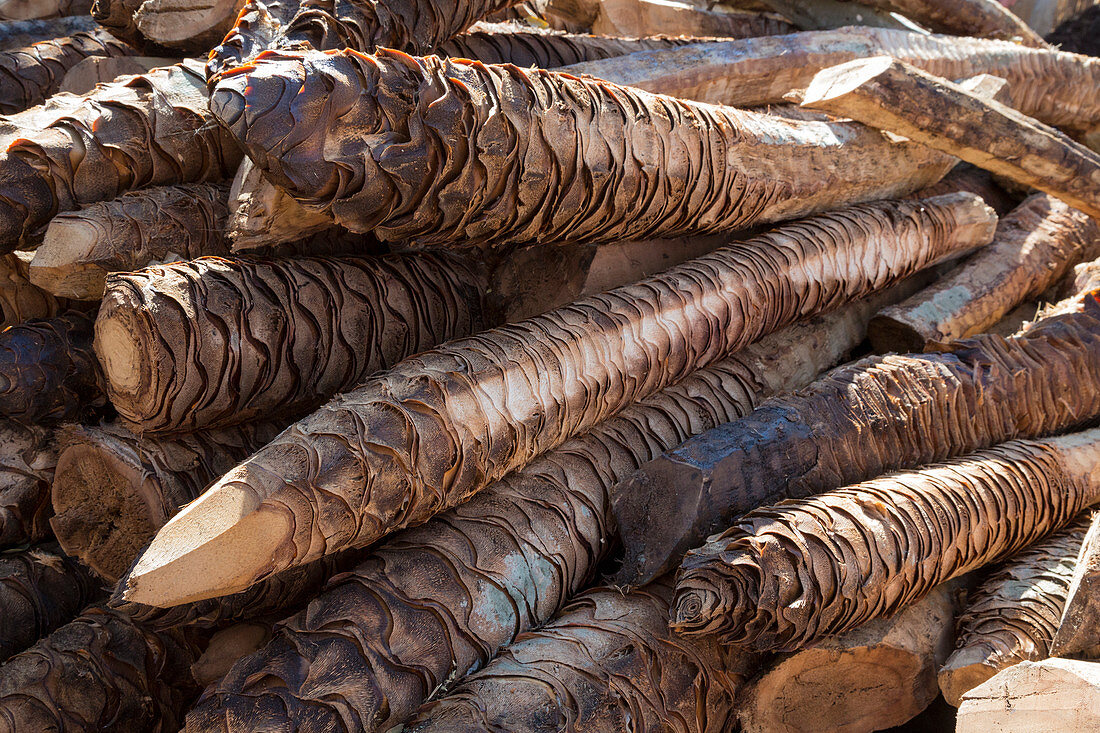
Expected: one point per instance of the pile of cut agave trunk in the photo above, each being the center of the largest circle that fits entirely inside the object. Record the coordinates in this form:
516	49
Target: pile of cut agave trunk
560	365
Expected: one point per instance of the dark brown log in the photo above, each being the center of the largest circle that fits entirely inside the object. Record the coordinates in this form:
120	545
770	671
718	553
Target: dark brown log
40	589
28	456
412	172
48	371
980	18
193	26
20	299
28	9
117	16
432	431
879	414
20	33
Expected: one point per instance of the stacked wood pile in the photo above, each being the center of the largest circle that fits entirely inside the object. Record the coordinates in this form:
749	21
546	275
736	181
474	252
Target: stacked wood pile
560	365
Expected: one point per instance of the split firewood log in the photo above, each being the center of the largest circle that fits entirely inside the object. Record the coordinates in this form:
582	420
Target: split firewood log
20	299
145	227
894	96
214	342
28	456
877	676
100	672
29	75
31	9
980	18
879	414
1013	614
41	588
606	662
546	527
417	184
148	130
444	424
1034	247
112	490
1048	85
48	370
21	33
1054	694
785	575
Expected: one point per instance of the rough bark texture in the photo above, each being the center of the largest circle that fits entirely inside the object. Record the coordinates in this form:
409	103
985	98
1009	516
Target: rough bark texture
15	34
877	676
1054	694
215	342
1013	614
607	662
40	589
112	490
894	96
101	672
413	26
147	130
981	18
570	160
48	371
965	177
29	75
137	229
1034	247
30	9
879	414
786	575
20	299
444	424
28	456
637	18
538	534
1047	85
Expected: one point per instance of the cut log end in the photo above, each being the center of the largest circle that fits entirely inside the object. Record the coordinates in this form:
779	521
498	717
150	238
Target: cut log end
53	268
964	670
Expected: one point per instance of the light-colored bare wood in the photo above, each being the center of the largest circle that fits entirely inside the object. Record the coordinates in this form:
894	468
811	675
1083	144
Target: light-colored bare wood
262	215
637	18
1079	628
1052	695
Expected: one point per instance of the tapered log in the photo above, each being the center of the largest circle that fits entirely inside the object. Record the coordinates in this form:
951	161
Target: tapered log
30	9
29	75
540	534
20	299
851	555
879	414
894	96
1077	629
1034	247
980	18
48	371
1045	84
1054	694
215	342
965	177
875	677
1013	614
100	672
263	215
413	26
20	33
40	589
148	130
113	490
629	185
444	424
84	77
811	15
607	662
638	18
137	229
28	456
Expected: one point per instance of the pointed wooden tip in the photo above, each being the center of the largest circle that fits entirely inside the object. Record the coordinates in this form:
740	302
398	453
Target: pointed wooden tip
964	670
842	79
221	543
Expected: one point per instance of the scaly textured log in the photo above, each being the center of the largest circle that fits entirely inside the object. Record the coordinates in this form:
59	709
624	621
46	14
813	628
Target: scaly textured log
879	414
894	96
112	490
981	18
29	75
28	456
569	168
215	342
1013	614
438	427
117	16
48	371
263	215
100	672
1045	84
40	589
137	229
147	130
31	9
1034	247
539	534
20	299
19	33
1053	694
785	575
607	662
413	26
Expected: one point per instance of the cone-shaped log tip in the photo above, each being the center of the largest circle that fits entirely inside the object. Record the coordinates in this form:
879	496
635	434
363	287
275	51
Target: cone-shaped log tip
837	81
964	670
695	611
